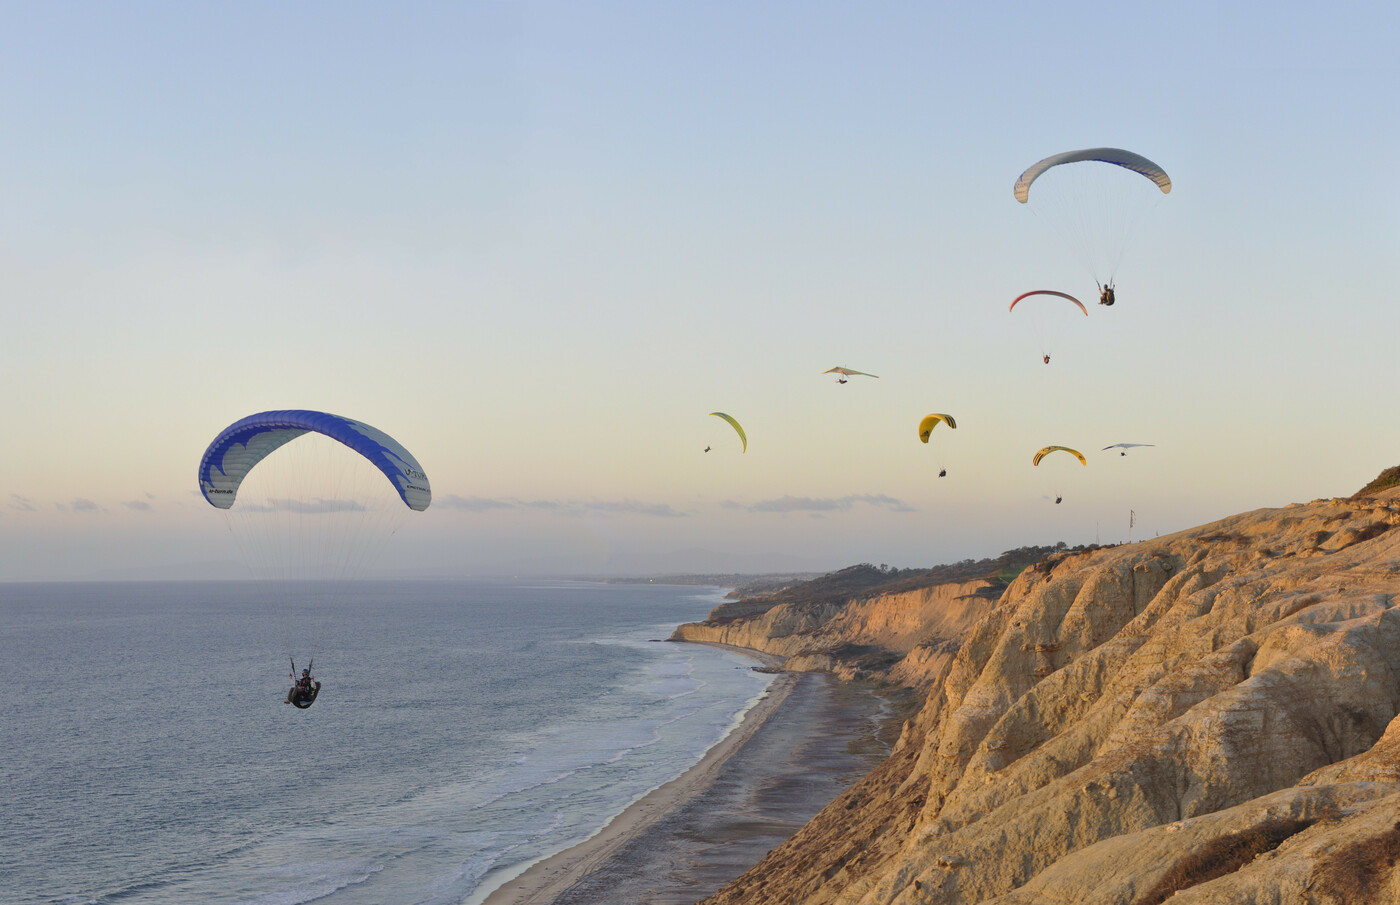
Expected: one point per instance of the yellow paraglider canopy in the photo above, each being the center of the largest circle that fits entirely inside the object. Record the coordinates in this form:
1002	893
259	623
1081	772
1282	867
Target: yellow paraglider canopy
734	424
927	425
1049	449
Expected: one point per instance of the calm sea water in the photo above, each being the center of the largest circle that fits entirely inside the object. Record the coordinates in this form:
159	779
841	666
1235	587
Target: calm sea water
464	729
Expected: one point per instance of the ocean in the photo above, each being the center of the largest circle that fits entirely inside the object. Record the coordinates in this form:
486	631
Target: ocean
465	729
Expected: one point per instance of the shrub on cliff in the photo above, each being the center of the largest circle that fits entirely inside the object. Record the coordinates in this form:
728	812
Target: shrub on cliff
1384	481
867	580
1359	871
1223	855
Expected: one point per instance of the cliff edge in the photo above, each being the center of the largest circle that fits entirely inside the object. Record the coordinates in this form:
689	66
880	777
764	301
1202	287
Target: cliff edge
1207	717
889	625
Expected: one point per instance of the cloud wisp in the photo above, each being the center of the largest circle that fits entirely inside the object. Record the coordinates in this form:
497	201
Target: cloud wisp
575	508
470	503
562	507
313	506
659	510
826	504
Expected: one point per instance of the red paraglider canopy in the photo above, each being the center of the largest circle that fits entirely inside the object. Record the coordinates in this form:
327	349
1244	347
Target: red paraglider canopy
1049	292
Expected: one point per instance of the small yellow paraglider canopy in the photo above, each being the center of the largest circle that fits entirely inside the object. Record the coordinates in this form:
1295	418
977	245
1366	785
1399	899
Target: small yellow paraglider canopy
734	424
1049	449
927	425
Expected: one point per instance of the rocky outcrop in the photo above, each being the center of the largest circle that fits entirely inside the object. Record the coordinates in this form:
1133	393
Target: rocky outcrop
907	638
1206	717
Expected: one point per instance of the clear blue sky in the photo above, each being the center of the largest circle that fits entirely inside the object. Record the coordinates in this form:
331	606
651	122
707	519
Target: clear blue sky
539	242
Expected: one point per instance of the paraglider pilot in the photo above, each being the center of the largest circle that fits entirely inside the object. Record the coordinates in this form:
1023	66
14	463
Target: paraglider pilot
302	687
1106	294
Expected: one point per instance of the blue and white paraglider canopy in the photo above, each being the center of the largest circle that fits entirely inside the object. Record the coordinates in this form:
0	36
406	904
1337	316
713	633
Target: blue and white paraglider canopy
242	445
1116	156
1094	199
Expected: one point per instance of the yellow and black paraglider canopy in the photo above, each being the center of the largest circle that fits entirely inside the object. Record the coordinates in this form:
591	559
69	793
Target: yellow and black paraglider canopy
1049	449
929	422
737	429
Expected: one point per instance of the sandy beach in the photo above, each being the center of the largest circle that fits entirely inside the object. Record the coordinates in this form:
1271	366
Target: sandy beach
682	841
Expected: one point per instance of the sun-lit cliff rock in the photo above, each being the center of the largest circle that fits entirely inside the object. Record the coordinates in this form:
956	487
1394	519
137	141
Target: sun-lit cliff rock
1208	717
906	638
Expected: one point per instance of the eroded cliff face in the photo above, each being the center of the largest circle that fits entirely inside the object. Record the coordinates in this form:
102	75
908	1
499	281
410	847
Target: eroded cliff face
1210	715
907	638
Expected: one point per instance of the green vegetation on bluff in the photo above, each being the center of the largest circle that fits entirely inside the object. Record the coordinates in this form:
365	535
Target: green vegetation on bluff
1383	481
867	580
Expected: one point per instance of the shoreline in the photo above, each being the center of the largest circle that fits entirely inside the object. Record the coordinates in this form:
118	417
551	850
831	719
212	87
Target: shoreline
544	881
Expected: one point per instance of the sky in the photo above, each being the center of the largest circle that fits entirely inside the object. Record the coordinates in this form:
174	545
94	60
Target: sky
538	243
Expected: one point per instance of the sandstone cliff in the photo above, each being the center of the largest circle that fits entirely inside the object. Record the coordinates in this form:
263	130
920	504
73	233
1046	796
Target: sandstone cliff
1206	717
905	637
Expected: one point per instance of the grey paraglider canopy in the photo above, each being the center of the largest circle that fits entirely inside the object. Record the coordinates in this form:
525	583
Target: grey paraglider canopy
1093	200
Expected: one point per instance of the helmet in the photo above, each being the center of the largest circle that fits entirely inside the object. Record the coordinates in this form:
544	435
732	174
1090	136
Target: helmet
306	672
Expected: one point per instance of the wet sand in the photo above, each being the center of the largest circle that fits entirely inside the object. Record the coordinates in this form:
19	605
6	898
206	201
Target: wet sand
795	751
